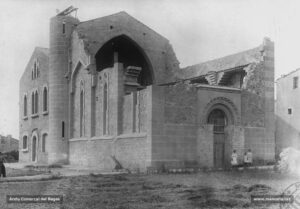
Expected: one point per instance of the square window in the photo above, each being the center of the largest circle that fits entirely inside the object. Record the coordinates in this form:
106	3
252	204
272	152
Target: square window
295	82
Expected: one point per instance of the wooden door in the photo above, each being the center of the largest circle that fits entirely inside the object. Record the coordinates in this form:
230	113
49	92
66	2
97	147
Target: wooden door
218	119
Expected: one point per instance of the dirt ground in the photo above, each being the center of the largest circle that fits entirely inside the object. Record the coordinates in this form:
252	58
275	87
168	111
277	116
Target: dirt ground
176	191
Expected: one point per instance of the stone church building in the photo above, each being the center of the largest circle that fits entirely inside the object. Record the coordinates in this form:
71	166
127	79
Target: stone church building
112	88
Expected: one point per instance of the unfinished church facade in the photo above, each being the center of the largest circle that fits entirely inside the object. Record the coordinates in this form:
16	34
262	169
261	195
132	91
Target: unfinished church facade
112	88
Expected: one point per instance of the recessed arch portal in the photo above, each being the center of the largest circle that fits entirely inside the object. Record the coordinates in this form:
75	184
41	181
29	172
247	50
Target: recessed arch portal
218	118
227	106
124	50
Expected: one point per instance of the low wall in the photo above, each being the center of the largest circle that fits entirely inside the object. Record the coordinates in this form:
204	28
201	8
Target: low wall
130	150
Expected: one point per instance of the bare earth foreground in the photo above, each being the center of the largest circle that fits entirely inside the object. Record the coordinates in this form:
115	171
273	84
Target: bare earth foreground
186	191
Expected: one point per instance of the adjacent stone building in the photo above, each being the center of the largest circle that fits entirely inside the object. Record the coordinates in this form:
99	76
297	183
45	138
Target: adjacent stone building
112	88
8	144
288	111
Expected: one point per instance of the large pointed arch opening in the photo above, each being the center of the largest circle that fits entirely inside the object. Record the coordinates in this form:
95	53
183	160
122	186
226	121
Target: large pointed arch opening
124	50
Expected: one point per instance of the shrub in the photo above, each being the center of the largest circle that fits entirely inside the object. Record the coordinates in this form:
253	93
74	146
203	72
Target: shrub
12	156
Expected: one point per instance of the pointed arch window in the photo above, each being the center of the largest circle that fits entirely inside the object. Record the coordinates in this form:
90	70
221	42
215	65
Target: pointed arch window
35	73
36	104
105	110
45	100
25	106
81	110
32	103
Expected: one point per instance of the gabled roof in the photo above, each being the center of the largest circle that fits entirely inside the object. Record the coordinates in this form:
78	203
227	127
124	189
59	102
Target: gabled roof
38	52
43	50
85	25
221	64
93	32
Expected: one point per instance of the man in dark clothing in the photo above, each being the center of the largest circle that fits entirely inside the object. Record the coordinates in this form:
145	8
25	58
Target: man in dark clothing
2	168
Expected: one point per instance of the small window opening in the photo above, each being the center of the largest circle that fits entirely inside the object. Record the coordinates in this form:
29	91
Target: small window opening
45	100
32	103
64	28
25	106
36	104
290	111
63	129
295	82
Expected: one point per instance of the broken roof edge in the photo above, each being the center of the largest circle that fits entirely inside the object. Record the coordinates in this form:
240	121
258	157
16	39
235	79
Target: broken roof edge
194	77
37	49
218	87
204	86
42	49
202	76
258	48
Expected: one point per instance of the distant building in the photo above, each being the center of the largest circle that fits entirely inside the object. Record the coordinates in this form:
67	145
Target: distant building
112	87
288	111
7	144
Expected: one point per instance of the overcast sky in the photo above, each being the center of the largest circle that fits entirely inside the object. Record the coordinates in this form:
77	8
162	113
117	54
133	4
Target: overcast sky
199	30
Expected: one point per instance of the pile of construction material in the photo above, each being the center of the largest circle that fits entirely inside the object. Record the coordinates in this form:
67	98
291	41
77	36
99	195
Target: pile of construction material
289	161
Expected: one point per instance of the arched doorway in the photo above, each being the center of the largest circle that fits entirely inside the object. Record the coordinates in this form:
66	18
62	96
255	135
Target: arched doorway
34	148
218	119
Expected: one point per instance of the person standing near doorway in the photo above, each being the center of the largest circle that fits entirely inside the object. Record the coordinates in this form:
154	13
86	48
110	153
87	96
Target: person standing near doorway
249	157
234	160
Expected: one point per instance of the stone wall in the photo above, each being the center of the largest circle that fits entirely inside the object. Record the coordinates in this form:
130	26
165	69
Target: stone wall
82	83
95	150
38	122
261	147
205	145
180	104
287	124
258	105
253	101
174	126
131	151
